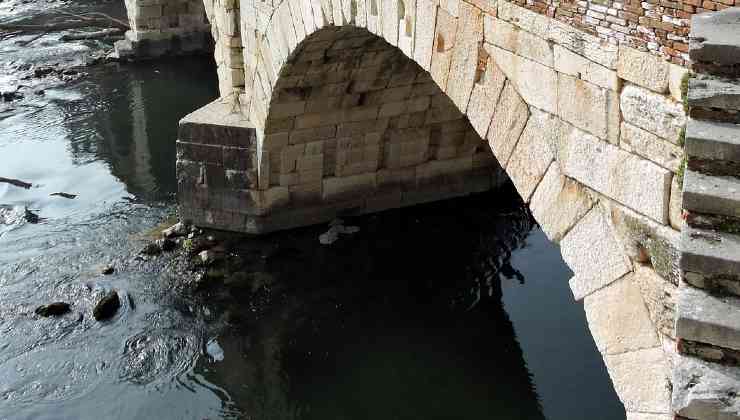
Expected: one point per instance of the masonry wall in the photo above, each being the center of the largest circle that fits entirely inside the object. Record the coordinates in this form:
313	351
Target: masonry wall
589	132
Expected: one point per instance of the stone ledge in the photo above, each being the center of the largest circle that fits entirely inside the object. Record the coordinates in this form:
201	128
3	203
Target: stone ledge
217	124
715	37
713	140
704	390
711	194
706	318
713	92
710	253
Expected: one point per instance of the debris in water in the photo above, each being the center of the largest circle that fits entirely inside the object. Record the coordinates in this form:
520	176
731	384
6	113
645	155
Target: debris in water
65	195
336	227
107	306
16	182
52	309
31	217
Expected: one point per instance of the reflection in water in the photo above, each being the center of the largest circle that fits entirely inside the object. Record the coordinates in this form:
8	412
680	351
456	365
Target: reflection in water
404	320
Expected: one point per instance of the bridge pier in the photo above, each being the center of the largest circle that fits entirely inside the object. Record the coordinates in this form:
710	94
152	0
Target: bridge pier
165	27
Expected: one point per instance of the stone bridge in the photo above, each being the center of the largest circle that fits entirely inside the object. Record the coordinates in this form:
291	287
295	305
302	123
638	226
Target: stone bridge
332	107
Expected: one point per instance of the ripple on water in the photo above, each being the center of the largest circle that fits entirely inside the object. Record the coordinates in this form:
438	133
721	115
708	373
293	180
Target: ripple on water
159	356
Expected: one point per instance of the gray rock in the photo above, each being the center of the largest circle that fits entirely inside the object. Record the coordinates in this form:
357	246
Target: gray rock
705	390
108	269
711	194
53	309
715	37
708	319
107	307
178	229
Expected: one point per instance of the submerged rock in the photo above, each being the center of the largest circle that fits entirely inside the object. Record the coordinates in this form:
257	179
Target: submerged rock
151	249
166	244
107	307
11	96
108	269
336	227
53	309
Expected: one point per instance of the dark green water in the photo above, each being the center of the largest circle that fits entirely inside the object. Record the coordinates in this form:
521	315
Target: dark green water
454	310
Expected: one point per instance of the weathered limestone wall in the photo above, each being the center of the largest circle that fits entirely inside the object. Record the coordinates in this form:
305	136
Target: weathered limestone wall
164	27
589	132
707	374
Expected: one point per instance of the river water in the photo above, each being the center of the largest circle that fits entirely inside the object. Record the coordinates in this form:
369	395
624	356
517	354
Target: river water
453	310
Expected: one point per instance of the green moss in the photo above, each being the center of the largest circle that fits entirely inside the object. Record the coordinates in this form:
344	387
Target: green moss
685	90
681	172
682	137
188	245
730	226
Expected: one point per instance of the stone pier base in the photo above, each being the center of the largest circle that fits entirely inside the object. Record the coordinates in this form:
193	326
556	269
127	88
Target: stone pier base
165	27
219	186
139	46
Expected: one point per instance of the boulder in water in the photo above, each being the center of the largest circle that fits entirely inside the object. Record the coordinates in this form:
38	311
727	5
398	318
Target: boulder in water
53	309
151	249
178	229
166	244
108	269
107	306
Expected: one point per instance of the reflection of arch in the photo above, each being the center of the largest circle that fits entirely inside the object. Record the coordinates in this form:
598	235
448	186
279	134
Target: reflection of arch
558	116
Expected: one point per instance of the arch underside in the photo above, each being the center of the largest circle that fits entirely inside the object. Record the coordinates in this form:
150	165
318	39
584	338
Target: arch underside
354	105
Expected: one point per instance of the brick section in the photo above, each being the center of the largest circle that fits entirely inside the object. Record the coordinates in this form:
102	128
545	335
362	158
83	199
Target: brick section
660	26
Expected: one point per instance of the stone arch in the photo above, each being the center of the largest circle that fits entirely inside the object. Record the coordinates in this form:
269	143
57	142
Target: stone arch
588	138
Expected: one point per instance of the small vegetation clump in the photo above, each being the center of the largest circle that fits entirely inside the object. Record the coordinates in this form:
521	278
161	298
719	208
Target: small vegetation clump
685	91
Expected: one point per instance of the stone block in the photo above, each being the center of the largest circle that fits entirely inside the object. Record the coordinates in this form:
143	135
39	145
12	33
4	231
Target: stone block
650	146
645	240
348	187
522	43
652	112
581	43
526	19
389	20
484	98
580	67
464	61
659	296
533	152
536	83
587	106
444	42
676	76
641	379
626	178
643	69
558	203
618	318
215	123
705	390
426	11
593	253
508	122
